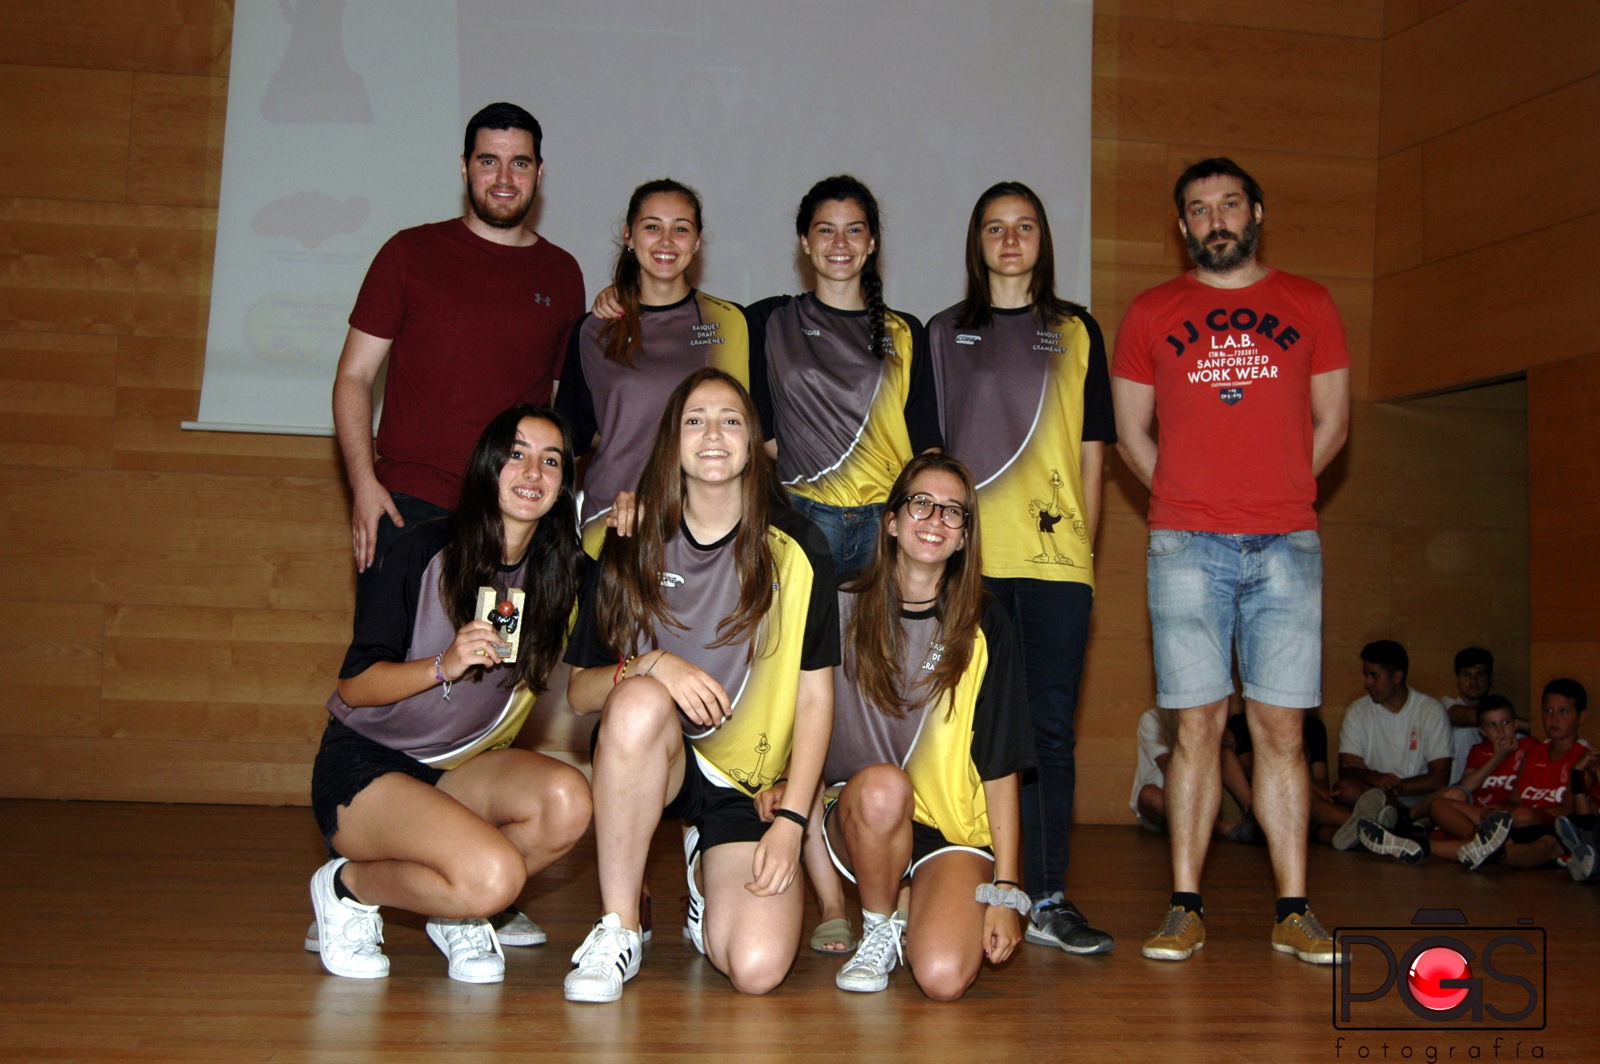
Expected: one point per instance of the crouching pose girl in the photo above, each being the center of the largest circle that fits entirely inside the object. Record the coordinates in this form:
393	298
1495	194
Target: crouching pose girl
706	644
931	730
412	788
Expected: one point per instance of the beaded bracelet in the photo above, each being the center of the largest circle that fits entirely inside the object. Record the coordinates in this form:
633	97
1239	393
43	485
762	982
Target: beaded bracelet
790	814
1011	898
438	674
622	669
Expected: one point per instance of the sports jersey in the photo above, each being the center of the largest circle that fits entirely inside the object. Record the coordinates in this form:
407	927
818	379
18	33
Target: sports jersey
624	403
1400	743
1497	790
401	618
799	633
1232	370
1542	784
475	327
949	748
846	420
1016	401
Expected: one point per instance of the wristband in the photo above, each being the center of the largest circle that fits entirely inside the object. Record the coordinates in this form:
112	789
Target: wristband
790	814
656	662
1007	883
438	674
622	669
1010	898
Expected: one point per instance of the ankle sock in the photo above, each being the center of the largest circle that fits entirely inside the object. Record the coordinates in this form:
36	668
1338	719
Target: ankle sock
1288	907
342	891
1190	901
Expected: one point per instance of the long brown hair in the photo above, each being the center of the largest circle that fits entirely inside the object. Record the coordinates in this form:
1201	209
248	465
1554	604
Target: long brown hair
874	639
977	310
846	189
623	338
629	605
475	553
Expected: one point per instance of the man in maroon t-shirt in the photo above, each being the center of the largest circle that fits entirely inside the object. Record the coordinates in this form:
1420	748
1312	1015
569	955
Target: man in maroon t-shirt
1245	370
473	316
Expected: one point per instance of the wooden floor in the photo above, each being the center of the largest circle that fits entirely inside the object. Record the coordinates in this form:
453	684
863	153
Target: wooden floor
172	933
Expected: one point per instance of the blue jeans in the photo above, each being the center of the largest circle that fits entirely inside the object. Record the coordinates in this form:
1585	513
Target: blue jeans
1212	592
1052	621
851	531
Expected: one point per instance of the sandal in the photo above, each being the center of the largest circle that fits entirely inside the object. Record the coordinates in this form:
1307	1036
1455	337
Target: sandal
831	932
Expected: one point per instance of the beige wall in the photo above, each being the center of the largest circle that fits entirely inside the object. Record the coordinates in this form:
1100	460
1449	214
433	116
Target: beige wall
175	604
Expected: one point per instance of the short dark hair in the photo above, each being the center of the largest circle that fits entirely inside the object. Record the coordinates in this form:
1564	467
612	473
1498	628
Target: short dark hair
1568	688
1470	656
1216	166
1493	702
1387	655
503	116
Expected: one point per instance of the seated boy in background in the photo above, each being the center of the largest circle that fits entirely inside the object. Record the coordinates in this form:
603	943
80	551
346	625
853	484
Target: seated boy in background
1474	669
1523	825
1149	798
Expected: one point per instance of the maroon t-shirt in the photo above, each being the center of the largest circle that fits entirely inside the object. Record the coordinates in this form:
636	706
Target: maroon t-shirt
476	327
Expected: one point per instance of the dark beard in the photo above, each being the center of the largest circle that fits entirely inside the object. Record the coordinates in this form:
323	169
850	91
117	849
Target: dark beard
498	221
1215	260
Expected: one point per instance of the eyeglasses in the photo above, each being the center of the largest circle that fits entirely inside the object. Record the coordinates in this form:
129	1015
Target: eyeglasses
921	507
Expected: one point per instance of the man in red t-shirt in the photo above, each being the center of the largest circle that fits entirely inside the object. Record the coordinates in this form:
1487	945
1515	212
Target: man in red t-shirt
1244	369
473	316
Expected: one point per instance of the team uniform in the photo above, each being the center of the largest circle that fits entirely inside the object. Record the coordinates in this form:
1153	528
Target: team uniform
846	419
733	763
1544	779
949	748
401	618
475	327
624	403
1017	398
1499	789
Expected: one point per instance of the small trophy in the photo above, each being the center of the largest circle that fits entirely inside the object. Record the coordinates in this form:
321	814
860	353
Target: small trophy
505	616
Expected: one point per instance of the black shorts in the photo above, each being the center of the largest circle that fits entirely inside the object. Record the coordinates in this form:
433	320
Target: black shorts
723	814
346	762
926	842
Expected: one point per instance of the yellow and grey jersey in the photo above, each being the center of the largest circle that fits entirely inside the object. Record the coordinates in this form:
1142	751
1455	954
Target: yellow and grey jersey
799	633
948	748
1017	399
623	404
846	420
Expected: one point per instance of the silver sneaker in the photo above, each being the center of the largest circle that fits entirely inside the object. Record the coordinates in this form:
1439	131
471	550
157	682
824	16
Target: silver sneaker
350	934
1370	806
608	958
1488	840
471	947
1380	840
867	970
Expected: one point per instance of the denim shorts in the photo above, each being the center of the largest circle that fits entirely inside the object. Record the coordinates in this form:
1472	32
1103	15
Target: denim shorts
1212	593
851	531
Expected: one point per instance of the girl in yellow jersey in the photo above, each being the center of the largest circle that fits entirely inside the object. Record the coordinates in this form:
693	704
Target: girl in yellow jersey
931	732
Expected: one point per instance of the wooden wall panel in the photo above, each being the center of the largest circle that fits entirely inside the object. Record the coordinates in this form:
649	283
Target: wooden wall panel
1487	313
1477	58
58	399
58	127
163	36
175	146
1563	515
1279	92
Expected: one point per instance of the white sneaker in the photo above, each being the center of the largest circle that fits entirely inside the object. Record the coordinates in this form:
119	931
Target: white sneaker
471	947
1370	806
694	924
1488	839
350	934
513	928
867	971
608	958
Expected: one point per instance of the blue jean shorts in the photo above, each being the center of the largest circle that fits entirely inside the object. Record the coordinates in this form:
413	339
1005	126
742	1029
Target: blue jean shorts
1214	593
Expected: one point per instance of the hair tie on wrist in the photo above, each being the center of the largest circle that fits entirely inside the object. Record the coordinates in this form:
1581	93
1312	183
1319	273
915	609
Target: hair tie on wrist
1011	898
790	814
438	673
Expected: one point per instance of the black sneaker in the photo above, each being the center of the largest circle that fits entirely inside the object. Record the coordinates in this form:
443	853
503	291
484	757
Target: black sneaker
1055	921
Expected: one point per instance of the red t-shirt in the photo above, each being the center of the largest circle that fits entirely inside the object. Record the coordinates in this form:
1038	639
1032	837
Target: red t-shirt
1498	789
1542	783
477	327
1232	369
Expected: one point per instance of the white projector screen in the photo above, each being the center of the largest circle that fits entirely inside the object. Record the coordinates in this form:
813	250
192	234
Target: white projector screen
345	120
